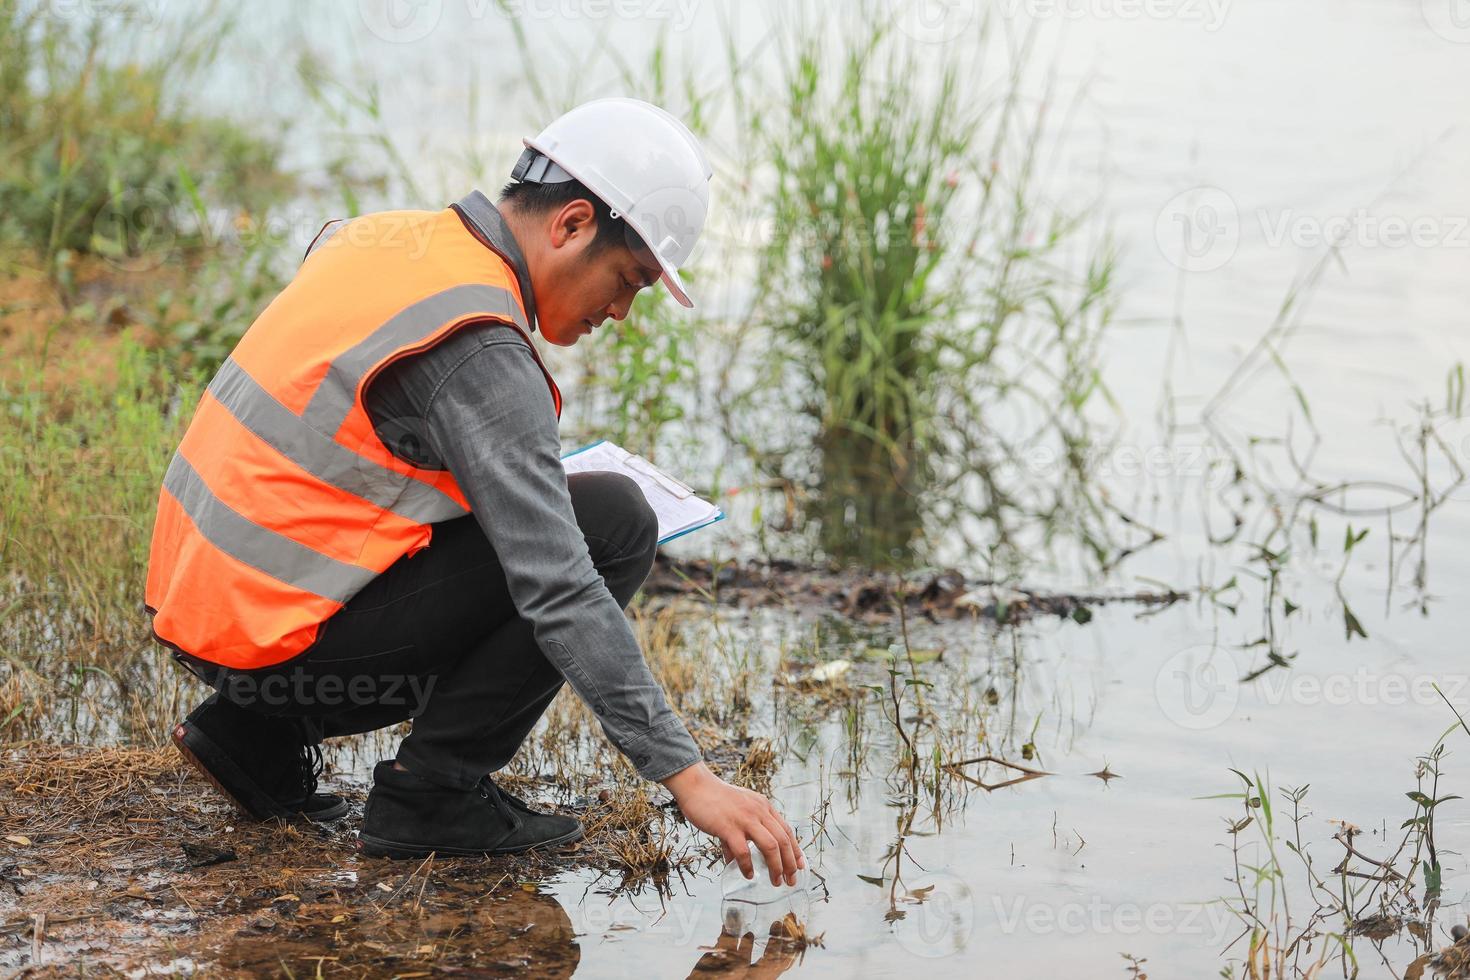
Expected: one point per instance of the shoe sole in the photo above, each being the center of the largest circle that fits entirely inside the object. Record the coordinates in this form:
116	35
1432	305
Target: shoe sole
194	744
379	847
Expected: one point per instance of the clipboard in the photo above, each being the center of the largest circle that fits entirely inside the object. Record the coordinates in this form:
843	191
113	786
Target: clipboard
679	508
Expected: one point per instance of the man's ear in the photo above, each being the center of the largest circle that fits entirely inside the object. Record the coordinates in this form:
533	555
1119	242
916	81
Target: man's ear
574	223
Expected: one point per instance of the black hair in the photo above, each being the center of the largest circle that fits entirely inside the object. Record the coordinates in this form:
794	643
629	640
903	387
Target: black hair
537	199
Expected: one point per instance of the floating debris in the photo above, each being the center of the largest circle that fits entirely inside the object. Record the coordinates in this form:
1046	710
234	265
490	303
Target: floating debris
824	676
873	597
1451	963
205	855
829	671
1026	772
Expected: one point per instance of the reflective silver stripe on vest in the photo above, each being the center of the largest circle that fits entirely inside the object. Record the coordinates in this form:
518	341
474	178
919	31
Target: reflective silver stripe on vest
259	547
322	456
333	398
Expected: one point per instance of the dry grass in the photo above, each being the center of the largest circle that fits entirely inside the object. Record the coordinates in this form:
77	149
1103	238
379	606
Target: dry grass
757	768
1451	963
92	855
49	789
645	841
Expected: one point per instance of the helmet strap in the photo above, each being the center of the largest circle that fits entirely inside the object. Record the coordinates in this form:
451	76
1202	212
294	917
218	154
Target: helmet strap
536	168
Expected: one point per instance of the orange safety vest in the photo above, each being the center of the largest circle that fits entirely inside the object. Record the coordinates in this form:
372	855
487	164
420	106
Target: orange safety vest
281	502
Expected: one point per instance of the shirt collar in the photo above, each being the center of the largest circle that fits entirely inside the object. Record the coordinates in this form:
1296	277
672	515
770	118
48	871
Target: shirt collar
488	225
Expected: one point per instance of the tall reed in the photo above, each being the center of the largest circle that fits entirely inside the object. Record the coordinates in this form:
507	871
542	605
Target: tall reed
918	290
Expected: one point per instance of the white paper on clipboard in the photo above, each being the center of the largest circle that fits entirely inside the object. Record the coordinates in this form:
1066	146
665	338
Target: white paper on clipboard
679	509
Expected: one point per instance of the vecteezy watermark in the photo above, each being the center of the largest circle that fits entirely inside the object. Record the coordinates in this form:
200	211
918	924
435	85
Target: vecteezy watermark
1452	438
1200	687
136	229
141	228
921	455
1199	229
934	21
1363	229
665	215
1450	19
401	21
934	917
1209	14
676	14
381	229
1208	463
1364	687
137	13
680	924
407	21
302	689
1212	922
372	475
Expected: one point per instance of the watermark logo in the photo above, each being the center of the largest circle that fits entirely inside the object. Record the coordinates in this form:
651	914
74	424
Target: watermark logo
681	924
677	14
935	21
1206	463
376	470
1452	438
408	21
1450	19
137	13
935	917
1212	921
669	217
1361	228
135	230
922	455
1199	229
1210	14
401	21
300	688
379	230
1458	914
1198	687
142	228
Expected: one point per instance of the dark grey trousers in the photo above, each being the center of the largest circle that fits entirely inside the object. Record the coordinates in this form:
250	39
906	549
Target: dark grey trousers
437	639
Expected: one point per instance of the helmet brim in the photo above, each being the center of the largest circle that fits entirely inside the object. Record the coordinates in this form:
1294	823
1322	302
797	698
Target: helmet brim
675	285
668	272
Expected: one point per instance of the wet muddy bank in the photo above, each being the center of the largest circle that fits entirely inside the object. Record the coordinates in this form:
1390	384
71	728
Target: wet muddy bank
877	597
124	862
950	769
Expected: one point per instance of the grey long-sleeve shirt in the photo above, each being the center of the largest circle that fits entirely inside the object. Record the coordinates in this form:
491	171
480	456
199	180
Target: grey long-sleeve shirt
478	405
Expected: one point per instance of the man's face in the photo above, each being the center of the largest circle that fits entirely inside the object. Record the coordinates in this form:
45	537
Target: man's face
577	288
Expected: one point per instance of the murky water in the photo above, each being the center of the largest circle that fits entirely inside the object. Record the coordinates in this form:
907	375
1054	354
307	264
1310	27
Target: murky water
1251	127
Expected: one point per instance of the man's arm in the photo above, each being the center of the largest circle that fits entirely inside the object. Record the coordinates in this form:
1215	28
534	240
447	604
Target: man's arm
490	421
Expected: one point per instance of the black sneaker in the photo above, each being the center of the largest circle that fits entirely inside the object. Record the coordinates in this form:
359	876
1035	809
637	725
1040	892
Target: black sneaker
260	763
411	817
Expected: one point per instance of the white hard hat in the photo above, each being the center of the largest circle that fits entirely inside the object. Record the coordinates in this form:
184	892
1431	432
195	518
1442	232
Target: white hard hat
642	162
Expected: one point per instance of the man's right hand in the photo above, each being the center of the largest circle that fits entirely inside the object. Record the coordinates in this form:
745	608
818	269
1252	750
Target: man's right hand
735	816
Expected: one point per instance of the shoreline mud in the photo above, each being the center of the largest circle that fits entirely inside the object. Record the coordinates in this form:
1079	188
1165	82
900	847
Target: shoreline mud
874	596
124	862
